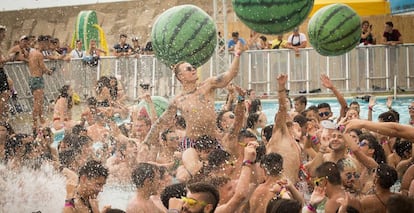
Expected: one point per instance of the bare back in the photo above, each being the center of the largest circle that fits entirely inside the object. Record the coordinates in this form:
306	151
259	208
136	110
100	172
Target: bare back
36	64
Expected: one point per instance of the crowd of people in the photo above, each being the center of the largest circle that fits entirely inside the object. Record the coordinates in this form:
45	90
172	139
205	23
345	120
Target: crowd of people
194	159
297	40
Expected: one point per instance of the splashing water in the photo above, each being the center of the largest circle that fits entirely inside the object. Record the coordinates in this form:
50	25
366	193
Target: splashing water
28	190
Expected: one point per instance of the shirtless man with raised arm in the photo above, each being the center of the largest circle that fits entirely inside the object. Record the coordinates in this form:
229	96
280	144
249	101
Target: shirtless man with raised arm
36	82
196	102
282	142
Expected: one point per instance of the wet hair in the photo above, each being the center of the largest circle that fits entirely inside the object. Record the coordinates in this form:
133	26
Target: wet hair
66	157
267	132
260	151
93	169
389	23
324	105
379	154
9	128
77	129
91	101
164	134
113	90
386	176
283	206
220	118
177	190
104	81
389	116
180	121
163	172
212	195
300	119
142	172
358	132
344	163
244	133
302	99
217	157
252	119
330	171
255	106
205	142
399	203
272	163
13	144
401	147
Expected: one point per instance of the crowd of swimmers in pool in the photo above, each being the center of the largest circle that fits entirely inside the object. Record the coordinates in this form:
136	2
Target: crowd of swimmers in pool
192	159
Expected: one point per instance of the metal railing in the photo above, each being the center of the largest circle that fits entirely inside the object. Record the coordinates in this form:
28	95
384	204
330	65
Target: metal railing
365	69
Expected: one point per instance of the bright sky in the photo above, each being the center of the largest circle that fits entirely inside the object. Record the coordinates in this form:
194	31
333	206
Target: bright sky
10	5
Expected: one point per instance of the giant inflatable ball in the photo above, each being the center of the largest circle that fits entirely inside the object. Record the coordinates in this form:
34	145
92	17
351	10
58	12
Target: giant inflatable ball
334	30
272	16
184	33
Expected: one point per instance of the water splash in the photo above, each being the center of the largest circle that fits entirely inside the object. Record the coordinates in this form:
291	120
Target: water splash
28	190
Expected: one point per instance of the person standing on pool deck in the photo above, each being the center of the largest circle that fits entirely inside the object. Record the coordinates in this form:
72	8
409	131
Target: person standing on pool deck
36	82
196	101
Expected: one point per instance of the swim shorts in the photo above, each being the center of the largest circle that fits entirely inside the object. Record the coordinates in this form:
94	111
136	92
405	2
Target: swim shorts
36	83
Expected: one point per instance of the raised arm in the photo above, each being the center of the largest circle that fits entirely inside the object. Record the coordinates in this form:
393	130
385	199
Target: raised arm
385	128
280	117
242	187
224	79
326	82
368	162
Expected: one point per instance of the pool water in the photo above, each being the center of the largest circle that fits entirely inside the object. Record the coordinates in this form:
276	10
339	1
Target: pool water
400	105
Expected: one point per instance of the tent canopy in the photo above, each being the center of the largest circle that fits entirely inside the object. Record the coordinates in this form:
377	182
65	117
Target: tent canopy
361	7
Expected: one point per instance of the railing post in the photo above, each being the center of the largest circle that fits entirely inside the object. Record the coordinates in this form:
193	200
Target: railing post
387	67
268	74
367	68
136	77
407	55
307	71
250	70
154	67
288	69
347	71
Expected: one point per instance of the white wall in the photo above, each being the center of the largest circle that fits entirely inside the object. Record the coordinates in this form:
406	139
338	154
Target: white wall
10	5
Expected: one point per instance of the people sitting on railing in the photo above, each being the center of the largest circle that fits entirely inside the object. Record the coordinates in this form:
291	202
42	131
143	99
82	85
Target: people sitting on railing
279	42
296	40
122	48
391	36
366	34
137	50
20	52
257	41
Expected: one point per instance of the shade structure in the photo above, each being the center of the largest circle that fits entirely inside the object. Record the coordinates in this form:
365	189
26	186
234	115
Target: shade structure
361	7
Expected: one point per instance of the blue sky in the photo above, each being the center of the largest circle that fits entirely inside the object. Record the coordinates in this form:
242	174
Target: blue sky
11	5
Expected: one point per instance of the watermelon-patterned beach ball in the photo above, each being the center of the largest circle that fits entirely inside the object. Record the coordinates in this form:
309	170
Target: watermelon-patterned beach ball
334	30
272	16
184	33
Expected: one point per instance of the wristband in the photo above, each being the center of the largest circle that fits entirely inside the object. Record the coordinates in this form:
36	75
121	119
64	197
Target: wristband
237	54
315	140
341	128
240	98
311	208
247	163
384	142
370	108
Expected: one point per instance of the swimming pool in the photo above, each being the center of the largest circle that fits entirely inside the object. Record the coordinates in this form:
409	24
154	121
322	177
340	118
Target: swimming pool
400	105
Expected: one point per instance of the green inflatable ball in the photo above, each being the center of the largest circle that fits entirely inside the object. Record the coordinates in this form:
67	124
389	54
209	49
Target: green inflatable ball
184	33
334	30
272	16
160	104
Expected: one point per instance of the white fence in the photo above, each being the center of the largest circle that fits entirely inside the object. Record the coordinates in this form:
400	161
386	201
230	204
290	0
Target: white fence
365	69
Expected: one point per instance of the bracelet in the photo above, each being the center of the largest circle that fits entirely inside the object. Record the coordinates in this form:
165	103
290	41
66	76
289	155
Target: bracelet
311	208
237	54
341	128
315	140
173	211
247	163
370	108
384	142
240	98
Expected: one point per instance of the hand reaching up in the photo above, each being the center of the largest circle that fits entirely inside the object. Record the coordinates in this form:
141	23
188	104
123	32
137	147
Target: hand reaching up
326	82
282	79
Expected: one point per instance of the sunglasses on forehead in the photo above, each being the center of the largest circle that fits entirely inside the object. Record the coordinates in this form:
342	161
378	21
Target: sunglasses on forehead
317	181
321	114
362	143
